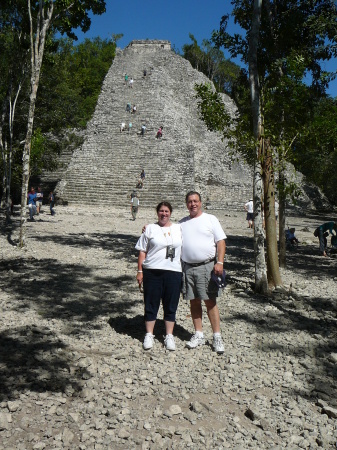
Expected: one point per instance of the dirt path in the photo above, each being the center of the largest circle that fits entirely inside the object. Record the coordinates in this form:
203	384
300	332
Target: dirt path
73	373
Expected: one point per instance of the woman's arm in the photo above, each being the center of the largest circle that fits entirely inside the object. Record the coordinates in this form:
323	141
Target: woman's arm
141	258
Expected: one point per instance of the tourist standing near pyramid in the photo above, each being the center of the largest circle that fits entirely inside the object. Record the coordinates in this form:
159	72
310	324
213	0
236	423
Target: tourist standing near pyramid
134	206
203	252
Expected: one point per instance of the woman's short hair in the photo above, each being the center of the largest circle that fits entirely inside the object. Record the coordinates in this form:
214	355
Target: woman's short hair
168	204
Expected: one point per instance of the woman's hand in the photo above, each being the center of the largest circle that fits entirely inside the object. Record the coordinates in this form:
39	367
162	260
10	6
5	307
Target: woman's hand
140	278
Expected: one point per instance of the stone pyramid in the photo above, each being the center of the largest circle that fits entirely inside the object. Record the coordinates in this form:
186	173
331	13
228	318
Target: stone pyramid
107	166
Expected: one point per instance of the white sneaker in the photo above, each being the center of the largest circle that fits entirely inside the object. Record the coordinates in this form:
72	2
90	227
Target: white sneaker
169	342
148	341
218	344
195	341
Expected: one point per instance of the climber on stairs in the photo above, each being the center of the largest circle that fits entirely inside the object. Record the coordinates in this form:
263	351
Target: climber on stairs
159	133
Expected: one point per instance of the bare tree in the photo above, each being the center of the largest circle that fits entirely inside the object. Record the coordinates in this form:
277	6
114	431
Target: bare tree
261	283
66	15
37	45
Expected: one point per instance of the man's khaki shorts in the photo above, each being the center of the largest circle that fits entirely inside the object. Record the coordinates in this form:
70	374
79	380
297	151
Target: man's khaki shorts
198	282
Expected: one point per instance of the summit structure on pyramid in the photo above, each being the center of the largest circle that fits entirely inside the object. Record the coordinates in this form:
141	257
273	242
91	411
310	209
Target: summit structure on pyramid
108	164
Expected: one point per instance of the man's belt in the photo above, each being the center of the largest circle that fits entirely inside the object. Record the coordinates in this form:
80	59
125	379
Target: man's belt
201	263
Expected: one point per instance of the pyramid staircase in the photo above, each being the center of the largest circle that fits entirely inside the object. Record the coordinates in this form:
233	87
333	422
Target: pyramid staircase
107	166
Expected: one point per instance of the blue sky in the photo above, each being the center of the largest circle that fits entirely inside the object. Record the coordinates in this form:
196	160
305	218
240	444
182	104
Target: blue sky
172	20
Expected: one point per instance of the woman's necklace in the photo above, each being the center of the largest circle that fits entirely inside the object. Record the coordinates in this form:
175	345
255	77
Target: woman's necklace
166	233
170	251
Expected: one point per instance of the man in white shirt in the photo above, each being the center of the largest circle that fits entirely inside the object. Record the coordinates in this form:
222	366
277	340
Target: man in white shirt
203	251
134	206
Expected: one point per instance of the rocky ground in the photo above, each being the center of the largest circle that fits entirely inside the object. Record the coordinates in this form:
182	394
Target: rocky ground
73	373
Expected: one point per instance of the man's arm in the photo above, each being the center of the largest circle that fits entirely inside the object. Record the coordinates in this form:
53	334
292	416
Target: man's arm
221	251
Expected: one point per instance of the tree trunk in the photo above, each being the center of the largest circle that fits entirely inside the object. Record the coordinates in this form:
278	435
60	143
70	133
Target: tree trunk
8	183
37	50
3	155
26	165
281	156
4	173
12	105
261	282
282	217
273	271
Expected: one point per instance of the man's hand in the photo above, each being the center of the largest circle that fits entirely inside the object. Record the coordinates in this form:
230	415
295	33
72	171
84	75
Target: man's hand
218	269
221	251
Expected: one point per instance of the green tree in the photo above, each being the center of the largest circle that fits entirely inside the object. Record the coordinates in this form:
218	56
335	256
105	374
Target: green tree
315	151
71	83
38	19
193	53
211	61
62	103
294	39
290	42
14	67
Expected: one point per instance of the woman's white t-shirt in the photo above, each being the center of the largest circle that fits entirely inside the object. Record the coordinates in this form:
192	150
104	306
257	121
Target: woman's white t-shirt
154	242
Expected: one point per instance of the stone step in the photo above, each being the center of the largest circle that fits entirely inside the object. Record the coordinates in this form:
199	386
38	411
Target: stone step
188	156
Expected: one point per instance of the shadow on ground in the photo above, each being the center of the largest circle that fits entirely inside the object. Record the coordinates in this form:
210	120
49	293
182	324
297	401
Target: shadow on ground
32	358
317	342
135	328
62	291
121	245
314	316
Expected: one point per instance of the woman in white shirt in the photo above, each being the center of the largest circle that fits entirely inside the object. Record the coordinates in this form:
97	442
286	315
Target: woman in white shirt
159	269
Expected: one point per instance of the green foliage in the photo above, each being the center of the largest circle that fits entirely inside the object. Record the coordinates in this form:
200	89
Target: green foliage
37	151
67	14
211	61
316	149
212	108
72	14
295	38
234	129
36	22
71	83
116	37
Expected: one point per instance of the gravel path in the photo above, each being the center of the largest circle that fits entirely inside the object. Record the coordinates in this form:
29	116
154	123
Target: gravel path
73	374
